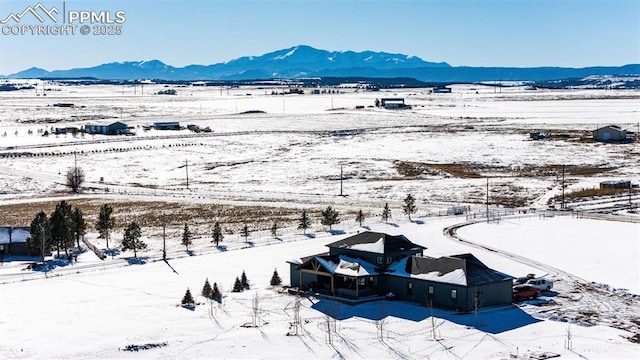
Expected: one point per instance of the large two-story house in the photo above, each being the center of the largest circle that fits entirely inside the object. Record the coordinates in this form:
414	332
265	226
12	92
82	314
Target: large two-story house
373	265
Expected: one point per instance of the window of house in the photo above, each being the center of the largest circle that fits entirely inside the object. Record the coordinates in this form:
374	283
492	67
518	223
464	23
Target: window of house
431	291
454	294
388	259
409	288
379	259
362	281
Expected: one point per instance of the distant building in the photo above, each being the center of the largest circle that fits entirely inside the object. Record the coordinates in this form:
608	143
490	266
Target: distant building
69	105
393	103
13	241
166	125
615	184
116	128
441	90
610	133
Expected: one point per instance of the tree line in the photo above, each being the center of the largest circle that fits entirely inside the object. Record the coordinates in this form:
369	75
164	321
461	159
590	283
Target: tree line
65	226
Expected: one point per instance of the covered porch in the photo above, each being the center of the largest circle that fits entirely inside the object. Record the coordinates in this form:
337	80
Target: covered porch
339	276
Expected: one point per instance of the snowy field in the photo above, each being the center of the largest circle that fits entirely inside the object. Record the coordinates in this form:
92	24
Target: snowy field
100	312
442	151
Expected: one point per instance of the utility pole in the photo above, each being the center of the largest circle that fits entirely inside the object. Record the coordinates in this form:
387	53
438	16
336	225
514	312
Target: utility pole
164	242
42	234
341	180
487	200
562	205
186	165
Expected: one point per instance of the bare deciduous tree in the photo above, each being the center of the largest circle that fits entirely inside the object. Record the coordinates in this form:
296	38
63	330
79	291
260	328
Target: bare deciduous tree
75	178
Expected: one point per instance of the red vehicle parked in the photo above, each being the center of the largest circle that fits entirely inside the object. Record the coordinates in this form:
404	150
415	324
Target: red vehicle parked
525	292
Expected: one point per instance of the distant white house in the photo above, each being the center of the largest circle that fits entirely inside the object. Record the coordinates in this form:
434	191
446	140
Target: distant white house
610	133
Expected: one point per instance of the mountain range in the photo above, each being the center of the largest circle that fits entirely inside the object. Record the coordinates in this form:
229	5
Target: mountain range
304	62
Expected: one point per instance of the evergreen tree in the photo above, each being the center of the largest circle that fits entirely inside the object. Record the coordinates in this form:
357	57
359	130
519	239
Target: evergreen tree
409	206
207	291
386	213
105	222
79	225
304	223
187	300
360	217
244	281
330	217
275	278
245	232
217	233
216	294
61	225
131	239
237	286
186	236
36	244
274	228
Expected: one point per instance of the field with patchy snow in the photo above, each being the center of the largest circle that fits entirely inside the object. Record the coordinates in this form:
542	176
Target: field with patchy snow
256	168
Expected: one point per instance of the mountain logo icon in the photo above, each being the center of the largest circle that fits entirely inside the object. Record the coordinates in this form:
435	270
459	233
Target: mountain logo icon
35	11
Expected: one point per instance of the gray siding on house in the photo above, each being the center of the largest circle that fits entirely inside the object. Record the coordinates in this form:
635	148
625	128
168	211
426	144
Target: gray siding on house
491	294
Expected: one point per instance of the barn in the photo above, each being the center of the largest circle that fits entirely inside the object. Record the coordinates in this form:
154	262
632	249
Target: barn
610	133
116	128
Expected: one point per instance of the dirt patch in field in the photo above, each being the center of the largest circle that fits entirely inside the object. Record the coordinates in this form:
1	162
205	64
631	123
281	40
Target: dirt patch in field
152	213
412	170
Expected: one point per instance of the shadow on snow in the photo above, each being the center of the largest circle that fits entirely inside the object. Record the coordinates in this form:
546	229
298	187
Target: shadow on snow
492	320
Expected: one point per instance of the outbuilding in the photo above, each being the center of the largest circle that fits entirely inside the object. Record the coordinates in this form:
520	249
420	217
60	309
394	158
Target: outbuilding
166	125
116	128
13	241
610	133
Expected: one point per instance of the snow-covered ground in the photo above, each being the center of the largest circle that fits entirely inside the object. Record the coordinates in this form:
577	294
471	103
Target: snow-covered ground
290	157
98	313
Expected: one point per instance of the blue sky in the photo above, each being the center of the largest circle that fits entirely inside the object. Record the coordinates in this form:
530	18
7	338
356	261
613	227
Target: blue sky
463	33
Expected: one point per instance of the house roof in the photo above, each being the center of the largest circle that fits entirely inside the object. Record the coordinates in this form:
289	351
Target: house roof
463	269
18	234
339	265
375	242
614	127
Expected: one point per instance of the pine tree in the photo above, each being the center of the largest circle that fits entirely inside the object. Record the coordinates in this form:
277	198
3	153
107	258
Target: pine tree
330	217
215	293
244	281
360	217
36	244
217	233
207	291
79	225
386	213
105	222
409	206
131	239
237	286
245	232
187	300
61	225
275	278
274	228
304	223
186	236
